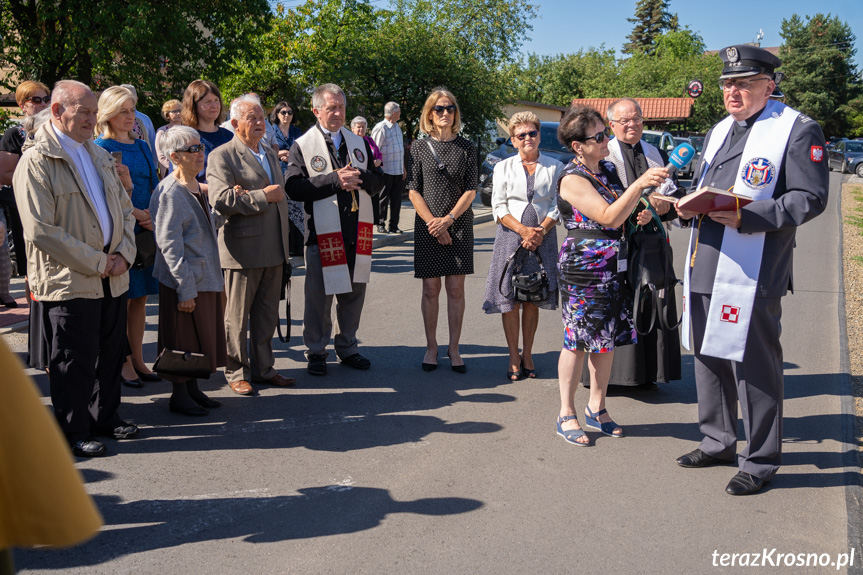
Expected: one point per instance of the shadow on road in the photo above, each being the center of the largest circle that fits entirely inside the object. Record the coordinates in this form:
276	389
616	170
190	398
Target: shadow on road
139	526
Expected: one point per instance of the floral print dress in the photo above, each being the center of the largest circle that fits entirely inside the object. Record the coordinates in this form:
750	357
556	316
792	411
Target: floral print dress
597	309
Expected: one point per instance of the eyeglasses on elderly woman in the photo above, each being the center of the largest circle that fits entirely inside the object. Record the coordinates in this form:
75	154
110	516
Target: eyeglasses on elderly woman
193	149
599	136
531	134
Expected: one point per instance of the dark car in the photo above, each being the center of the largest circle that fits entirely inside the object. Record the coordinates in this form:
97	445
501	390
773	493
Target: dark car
548	146
847	156
698	142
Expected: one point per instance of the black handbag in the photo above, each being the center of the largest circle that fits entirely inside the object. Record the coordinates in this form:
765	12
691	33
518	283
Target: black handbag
285	294
525	288
183	363
145	256
650	273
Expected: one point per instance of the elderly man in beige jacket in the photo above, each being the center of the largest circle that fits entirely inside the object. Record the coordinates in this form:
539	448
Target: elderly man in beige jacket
78	229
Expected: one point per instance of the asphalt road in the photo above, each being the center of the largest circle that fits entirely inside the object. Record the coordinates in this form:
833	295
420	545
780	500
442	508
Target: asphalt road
395	470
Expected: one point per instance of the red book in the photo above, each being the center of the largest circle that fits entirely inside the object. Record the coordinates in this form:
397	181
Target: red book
707	200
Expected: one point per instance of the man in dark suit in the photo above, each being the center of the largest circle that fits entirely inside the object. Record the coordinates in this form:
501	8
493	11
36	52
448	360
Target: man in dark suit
245	188
331	171
774	154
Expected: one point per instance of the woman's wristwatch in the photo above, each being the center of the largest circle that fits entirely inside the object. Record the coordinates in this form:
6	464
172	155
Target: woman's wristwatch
452	216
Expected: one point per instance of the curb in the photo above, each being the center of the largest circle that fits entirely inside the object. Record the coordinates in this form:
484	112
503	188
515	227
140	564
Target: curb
851	460
20	326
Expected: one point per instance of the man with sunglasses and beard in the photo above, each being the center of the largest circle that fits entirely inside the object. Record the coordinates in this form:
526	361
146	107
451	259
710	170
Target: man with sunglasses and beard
740	261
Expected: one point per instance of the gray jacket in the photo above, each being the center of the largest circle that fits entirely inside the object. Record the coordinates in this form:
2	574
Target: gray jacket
188	256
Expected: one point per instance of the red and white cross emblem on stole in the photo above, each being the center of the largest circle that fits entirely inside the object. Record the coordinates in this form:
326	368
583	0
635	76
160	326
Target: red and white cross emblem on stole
332	249
730	314
364	238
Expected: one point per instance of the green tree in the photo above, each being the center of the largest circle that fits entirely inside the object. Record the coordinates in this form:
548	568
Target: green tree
379	55
820	76
158	46
651	19
556	80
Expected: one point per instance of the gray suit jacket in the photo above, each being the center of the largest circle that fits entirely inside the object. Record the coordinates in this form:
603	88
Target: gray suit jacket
255	233
799	196
188	256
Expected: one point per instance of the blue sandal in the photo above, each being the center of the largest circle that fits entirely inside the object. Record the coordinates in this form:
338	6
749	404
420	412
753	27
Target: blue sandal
570	435
592	420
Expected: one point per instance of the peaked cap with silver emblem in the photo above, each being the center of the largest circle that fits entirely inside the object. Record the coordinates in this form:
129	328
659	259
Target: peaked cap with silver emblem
744	60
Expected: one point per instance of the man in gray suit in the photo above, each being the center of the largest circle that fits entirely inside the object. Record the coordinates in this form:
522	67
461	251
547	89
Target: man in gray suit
245	188
774	154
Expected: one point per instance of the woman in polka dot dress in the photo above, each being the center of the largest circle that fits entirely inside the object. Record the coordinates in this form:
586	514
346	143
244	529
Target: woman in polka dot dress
442	186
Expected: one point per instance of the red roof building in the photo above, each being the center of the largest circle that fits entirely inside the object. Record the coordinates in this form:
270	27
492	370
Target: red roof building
655	110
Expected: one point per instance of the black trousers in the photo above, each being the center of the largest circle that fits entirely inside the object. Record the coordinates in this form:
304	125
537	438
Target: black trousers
391	197
86	345
13	221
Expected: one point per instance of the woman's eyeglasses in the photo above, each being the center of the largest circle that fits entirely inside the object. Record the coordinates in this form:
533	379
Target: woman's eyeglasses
599	136
441	109
193	149
39	100
531	134
286	113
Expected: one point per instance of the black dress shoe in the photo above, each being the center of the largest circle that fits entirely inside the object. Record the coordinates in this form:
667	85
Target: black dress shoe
204	401
698	458
192	409
136	383
745	484
317	364
429	366
357	361
11	303
89	448
396	231
122	430
148	376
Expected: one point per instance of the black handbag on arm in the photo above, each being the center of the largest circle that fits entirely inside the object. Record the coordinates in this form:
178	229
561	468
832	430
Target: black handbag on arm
525	288
650	272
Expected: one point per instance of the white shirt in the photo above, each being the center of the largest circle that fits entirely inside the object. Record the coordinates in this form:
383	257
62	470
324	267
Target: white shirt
83	164
335	136
261	155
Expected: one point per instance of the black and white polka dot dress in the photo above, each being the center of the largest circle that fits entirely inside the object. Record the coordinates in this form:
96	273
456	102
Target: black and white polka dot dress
441	192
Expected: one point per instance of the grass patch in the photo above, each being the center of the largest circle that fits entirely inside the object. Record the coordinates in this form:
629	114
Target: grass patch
858	259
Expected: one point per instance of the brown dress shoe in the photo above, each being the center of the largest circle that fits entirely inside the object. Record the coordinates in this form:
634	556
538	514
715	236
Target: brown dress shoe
279	380
241	387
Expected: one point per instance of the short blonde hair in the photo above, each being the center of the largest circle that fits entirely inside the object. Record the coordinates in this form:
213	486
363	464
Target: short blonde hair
520	118
426	123
170	105
110	103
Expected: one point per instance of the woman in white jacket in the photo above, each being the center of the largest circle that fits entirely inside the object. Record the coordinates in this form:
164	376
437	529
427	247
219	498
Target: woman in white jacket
523	200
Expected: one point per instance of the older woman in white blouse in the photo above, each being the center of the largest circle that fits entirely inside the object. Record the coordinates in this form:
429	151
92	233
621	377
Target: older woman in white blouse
525	208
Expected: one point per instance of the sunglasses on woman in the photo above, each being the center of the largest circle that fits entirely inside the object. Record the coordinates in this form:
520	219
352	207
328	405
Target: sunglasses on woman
39	100
194	149
599	136
441	109
286	113
531	134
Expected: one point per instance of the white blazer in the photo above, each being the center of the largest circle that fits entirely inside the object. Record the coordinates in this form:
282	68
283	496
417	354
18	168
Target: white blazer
509	188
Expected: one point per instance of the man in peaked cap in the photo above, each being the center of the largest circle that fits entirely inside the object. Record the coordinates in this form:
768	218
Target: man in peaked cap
732	304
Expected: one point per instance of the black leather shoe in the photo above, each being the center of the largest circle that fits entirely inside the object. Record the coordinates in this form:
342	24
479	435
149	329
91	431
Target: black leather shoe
10	303
89	448
123	431
136	383
193	409
745	484
148	376
396	231
698	458
317	364
357	361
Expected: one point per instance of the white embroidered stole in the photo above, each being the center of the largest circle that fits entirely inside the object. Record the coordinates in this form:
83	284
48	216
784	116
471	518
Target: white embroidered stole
337	278
736	282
